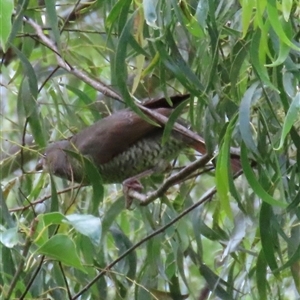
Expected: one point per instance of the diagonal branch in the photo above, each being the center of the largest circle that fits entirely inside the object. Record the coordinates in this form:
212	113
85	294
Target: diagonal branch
95	83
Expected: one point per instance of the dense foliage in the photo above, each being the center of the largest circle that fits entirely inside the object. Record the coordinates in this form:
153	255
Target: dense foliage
213	235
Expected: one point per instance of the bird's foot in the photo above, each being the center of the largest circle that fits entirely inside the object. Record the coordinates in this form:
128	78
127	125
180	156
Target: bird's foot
131	184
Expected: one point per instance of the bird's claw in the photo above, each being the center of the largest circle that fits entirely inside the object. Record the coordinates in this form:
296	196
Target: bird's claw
128	185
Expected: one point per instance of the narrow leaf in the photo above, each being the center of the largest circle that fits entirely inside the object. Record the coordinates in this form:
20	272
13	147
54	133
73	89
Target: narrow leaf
257	64
214	282
222	170
286	9
245	118
290	119
274	19
266	233
247	13
261	276
253	182
53	21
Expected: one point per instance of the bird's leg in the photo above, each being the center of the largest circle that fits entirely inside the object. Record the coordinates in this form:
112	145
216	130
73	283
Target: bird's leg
133	183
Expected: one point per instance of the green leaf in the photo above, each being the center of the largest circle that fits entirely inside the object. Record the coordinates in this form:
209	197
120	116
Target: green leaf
253	182
177	112
275	20
41	233
119	9
202	13
5	215
61	248
290	83
222	170
245	118
52	218
54	197
293	250
123	244
87	225
214	282
32	114
18	22
53	21
247	13
29	73
281	48
44	228
176	64
290	119
84	98
28	96
258	64
293	261
6	11
240	55
10	237
121	69
261	276
286	9
8	267
267	235
110	215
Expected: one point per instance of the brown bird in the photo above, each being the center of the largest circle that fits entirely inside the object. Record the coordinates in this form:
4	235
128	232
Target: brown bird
121	146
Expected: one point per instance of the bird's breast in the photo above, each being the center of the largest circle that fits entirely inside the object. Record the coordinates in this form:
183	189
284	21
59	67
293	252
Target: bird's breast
147	153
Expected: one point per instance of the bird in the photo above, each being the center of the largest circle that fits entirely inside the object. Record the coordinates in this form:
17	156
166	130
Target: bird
121	146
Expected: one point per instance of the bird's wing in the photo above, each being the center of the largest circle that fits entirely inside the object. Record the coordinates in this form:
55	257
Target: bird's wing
114	134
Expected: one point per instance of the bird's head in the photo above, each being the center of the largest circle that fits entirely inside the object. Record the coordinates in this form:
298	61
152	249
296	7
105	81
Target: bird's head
55	160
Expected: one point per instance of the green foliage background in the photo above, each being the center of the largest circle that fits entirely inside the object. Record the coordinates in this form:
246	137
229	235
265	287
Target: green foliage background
64	66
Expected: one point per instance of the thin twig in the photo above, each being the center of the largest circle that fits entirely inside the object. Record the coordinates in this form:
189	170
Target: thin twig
22	297
47	79
41	200
65	280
